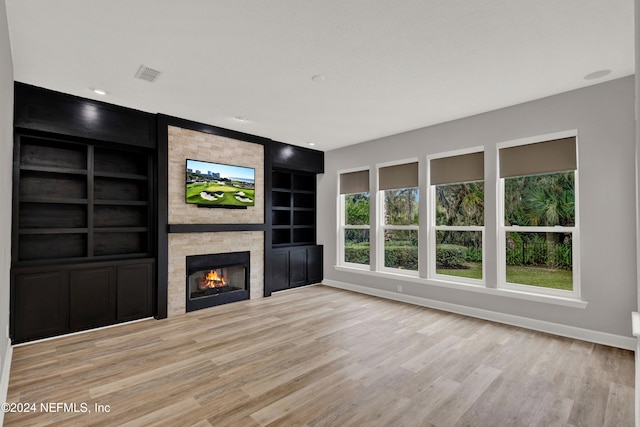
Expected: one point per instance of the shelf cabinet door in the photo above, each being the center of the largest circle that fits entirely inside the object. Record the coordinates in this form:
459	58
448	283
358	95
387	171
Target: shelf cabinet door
314	264
297	267
280	270
134	292
91	298
40	305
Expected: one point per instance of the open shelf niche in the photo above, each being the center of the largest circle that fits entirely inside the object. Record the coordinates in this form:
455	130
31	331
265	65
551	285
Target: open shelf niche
293	211
78	202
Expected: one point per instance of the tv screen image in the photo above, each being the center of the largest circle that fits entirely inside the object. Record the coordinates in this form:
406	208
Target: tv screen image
219	185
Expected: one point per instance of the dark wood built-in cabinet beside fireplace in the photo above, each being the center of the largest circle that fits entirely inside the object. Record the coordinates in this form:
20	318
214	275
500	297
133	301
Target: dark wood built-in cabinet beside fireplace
295	259
83	244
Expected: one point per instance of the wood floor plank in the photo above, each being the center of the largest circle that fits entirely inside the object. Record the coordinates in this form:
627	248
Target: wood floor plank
619	405
319	357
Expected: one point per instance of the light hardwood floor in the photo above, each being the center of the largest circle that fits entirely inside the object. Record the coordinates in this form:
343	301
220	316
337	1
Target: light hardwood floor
318	356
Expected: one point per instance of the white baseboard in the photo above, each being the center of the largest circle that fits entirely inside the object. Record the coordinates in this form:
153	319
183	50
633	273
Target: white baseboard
4	378
627	343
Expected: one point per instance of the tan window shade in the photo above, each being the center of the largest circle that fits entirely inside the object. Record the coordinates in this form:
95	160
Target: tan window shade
399	176
354	182
558	155
463	168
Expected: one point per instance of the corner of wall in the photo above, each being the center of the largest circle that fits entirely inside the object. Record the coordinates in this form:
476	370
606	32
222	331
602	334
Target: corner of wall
6	154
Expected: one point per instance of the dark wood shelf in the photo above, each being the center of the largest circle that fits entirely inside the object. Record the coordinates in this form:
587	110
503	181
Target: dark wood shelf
120	176
121	202
287	245
53	169
57	200
120	229
52	230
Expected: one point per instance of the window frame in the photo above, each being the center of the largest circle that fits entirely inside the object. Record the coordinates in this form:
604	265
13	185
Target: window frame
503	229
343	227
381	227
433	228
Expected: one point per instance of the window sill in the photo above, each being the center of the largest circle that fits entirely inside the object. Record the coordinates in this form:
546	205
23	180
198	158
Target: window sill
529	296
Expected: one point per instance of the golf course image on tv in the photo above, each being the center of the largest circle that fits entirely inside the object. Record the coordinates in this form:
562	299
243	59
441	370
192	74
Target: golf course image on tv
219	185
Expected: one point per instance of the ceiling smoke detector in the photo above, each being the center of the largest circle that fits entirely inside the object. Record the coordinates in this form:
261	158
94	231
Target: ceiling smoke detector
148	74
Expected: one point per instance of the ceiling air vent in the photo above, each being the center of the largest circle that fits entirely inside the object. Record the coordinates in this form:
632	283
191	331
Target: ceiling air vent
146	73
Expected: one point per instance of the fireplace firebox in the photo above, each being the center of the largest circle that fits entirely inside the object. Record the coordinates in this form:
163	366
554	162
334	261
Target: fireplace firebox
216	279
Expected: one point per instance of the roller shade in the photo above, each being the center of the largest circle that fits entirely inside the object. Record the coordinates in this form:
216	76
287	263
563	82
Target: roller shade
354	182
558	155
399	176
462	168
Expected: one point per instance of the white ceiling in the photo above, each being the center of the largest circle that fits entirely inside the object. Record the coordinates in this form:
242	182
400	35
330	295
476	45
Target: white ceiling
387	66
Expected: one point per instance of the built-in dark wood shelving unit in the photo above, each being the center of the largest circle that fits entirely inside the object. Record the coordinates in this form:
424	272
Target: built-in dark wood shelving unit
294	257
83	237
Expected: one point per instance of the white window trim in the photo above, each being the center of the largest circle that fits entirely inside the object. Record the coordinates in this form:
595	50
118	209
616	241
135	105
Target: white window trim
381	230
381	227
342	226
433	228
575	293
342	229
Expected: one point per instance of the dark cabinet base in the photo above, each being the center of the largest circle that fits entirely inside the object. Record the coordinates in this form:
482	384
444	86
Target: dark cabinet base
295	266
56	300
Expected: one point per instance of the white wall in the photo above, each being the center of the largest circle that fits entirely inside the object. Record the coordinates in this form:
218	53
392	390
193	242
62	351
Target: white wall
603	114
6	166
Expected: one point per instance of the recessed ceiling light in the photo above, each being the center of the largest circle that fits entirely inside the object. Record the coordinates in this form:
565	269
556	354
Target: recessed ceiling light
317	78
99	91
311	143
241	119
597	74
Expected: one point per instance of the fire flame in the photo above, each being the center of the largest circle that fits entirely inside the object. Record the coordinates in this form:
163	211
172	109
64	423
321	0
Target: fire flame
212	280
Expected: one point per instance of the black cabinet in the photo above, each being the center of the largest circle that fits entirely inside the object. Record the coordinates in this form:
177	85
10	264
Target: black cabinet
83	234
43	310
295	266
49	301
293	257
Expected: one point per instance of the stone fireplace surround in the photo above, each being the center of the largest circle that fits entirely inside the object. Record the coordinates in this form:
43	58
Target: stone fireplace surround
189	144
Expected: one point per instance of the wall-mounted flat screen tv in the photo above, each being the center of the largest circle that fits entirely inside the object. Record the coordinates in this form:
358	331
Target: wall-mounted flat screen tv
219	185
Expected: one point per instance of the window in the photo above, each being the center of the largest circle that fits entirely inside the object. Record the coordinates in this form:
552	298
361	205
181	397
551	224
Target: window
398	219
355	218
538	231
457	217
